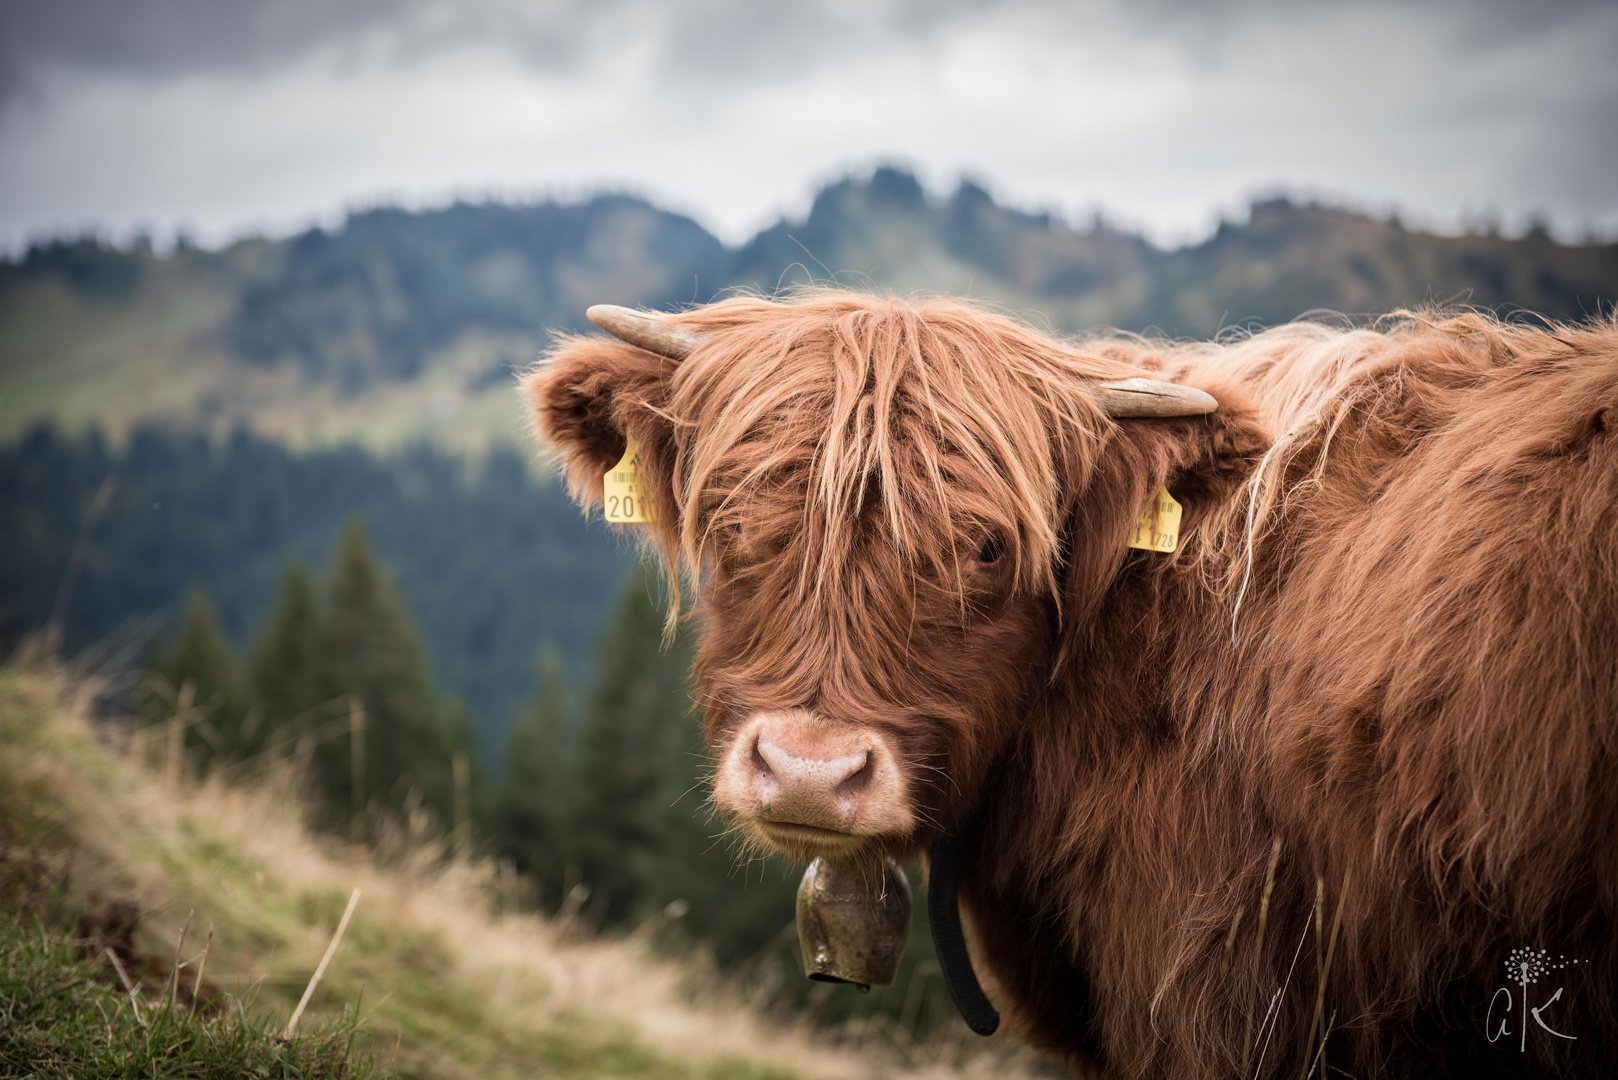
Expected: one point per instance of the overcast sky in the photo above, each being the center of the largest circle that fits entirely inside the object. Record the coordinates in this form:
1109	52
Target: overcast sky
222	117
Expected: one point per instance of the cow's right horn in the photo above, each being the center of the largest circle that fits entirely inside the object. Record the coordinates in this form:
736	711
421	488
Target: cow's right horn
1152	397
644	330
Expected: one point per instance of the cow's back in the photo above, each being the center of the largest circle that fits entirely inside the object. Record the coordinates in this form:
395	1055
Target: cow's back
1426	658
1397	655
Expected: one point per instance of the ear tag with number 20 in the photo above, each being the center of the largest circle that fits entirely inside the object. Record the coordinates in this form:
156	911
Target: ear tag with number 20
1159	526
623	497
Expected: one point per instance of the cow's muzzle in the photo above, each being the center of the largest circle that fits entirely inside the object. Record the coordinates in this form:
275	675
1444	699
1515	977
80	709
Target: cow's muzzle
807	785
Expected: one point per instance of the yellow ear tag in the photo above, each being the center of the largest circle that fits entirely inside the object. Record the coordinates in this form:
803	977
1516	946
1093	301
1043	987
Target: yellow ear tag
622	494
1159	526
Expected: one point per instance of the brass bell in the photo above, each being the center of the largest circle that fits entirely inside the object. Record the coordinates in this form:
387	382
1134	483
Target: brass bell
853	922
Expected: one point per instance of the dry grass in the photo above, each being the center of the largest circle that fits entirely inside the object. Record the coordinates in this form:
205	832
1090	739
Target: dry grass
446	986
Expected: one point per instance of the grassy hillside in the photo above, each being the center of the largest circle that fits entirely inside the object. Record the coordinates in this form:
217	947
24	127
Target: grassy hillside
69	1015
403	325
444	984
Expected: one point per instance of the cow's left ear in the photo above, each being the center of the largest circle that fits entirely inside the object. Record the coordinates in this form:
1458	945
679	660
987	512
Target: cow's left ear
589	397
1202	459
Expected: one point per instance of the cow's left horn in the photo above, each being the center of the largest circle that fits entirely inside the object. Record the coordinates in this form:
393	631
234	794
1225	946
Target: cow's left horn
644	330
1151	397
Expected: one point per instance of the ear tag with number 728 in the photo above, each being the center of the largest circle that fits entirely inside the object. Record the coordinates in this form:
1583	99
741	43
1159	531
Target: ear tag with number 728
622	494
1159	526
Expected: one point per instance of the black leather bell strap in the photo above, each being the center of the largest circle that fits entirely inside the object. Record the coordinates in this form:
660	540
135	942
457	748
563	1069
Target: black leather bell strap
944	912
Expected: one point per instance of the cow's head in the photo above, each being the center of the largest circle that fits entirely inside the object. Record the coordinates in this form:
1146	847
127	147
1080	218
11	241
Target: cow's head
885	507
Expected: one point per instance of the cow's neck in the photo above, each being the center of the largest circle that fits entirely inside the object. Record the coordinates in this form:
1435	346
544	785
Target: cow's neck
1102	749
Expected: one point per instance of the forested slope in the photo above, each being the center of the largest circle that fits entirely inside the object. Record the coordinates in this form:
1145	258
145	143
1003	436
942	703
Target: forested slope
494	564
401	325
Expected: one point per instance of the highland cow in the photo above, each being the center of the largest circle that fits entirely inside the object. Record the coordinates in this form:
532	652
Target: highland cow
1323	789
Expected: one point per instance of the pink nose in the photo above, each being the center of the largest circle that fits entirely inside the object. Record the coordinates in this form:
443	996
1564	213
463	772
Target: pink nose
797	777
821	784
808	790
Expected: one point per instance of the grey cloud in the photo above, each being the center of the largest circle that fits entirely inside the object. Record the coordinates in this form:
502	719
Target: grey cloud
716	36
165	36
754	39
695	41
701	38
1472	22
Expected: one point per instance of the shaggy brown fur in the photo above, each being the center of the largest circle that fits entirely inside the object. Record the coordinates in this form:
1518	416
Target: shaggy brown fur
1387	649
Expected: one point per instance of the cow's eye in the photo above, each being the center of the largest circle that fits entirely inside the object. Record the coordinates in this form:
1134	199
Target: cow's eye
990	550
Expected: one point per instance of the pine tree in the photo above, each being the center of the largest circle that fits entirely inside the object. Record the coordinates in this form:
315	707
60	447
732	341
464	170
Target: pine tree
292	675
643	832
628	766
411	740
468	803
533	823
200	677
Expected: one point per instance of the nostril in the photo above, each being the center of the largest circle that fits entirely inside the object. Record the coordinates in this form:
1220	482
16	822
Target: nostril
844	769
760	765
854	785
771	759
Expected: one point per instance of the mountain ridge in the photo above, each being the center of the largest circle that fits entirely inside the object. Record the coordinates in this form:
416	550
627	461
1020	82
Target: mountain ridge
401	325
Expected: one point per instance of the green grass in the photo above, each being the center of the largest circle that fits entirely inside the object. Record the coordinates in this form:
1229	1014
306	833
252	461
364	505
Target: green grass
63	1014
426	982
430	980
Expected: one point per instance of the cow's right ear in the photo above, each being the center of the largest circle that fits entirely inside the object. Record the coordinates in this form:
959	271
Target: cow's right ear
589	396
